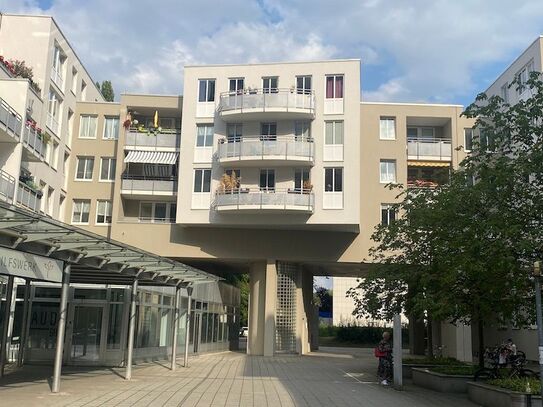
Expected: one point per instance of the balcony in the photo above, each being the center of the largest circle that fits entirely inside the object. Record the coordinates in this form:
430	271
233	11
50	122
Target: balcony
56	77
7	187
10	123
52	123
432	149
242	199
28	197
281	150
135	186
167	140
34	145
259	104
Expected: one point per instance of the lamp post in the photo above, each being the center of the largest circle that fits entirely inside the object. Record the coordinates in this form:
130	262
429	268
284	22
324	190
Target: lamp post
537	279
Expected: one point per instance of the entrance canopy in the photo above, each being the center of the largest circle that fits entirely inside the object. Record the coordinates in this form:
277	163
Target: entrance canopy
94	258
151	157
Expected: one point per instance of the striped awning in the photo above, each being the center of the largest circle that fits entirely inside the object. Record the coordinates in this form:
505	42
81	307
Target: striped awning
151	157
428	163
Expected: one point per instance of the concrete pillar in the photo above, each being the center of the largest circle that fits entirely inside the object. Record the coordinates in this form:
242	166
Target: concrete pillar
187	328
5	325
306	310
24	325
63	315
131	330
175	327
269	308
257	304
397	351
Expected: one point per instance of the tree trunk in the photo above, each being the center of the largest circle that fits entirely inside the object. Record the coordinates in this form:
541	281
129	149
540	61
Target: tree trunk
430	339
480	334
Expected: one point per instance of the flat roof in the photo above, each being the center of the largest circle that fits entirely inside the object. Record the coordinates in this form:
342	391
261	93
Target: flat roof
412	104
275	63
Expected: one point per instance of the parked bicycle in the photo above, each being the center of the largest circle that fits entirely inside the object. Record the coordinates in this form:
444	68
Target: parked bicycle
505	362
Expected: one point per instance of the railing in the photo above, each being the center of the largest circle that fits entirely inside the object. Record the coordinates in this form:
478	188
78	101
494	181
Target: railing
268	99
56	77
154	185
28	197
439	149
422	183
266	146
52	123
33	142
7	187
163	139
286	199
10	119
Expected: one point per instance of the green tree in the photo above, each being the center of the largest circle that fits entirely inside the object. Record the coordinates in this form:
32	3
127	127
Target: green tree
242	282
462	252
323	299
107	91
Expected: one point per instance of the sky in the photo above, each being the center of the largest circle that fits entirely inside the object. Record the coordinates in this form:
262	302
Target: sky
440	51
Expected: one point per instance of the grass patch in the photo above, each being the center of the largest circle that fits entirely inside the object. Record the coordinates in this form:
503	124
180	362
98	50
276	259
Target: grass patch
524	385
455	370
434	361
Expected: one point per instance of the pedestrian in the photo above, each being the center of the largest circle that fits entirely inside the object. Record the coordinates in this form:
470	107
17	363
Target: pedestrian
384	352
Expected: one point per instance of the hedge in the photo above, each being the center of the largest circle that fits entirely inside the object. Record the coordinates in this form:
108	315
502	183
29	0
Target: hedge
358	334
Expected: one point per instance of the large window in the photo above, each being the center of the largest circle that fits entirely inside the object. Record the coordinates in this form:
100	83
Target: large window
268	131
301	179
103	212
334	87
80	211
333	179
87	126
233	132
206	90
269	85
202	180
204	137
333	132
107	169
111	128
85	166
387	128
303	85
468	139
387	171
157	212
267	180
302	130
235	86
388	214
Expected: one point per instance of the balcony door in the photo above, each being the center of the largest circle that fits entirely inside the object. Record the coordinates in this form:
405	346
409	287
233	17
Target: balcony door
267	180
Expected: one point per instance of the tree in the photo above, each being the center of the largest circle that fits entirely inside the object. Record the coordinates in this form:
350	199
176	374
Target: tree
242	282
323	299
107	91
462	252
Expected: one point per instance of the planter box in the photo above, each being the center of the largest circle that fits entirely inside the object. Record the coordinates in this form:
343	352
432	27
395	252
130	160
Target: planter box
492	396
443	383
407	372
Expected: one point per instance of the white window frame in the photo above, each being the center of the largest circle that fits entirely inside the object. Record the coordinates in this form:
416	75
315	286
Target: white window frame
54	155
466	149
302	130
170	215
334	169
335	76
268	172
388	164
85	131
236	81
390	209
334	133
203	170
82	202
207	135
305	90
269	88
107	209
334	151
87	159
207	81
116	134
385	135
111	169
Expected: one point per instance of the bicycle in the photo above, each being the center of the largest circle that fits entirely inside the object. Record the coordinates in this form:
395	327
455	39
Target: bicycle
498	370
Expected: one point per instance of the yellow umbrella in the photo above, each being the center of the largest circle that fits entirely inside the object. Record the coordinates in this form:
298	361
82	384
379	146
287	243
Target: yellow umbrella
156	119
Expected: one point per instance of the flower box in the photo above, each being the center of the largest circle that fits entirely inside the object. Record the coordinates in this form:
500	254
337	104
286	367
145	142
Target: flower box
487	395
443	383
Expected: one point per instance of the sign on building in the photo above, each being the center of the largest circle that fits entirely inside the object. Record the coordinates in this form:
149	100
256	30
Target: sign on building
27	265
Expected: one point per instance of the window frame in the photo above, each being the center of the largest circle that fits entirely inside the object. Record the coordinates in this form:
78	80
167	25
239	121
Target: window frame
206	135
202	183
89	116
207	94
389	208
269	88
387	119
334	87
267	173
111	169
87	158
466	149
271	135
334	179
82	202
236	137
116	136
388	162
304	90
334	132
236	81
108	205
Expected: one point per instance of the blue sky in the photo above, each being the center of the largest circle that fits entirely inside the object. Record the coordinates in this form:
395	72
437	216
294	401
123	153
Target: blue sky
417	50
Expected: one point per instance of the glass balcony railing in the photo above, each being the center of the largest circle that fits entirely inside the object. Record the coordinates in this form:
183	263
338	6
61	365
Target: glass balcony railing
429	149
52	123
136	184
10	120
168	138
28	197
33	142
267	100
7	187
269	199
266	147
56	77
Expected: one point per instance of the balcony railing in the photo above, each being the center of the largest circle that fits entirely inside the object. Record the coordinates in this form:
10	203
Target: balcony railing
136	184
33	142
169	138
56	76
264	147
429	149
10	120
52	123
269	199
263	100
7	187
28	197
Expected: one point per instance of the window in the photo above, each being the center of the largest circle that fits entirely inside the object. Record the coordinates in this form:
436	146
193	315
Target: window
334	87
81	209
427	133
53	104
269	85
206	90
333	133
387	128
505	92
333	179
301	179
233	132
85	166
111	128
267	180
202	180
107	169
70	126
387	171
468	139
268	131
103	212
523	75
237	174
87	126
157	212
422	133
236	86
66	166
302	130
204	137
388	214
412	133
54	155
83	91
303	85
73	88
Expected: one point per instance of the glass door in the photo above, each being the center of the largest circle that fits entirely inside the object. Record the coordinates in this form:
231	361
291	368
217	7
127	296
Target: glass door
86	346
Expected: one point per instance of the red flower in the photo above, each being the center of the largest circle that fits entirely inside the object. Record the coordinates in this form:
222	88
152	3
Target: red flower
38	130
2	58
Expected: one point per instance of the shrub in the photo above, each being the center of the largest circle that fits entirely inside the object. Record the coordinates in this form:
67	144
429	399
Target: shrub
367	335
434	361
455	370
520	384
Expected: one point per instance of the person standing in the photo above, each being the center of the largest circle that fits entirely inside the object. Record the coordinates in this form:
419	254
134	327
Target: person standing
384	353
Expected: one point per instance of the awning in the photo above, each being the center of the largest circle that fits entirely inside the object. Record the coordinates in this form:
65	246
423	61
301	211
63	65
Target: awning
151	157
429	163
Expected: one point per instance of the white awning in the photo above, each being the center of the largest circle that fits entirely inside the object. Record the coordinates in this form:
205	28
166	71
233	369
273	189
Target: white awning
151	157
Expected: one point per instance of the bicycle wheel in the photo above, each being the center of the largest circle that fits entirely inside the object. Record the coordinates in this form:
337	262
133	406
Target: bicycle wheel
484	374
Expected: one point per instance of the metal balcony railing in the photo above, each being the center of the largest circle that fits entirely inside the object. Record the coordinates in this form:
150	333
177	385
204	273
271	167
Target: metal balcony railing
267	147
28	197
56	76
275	199
133	184
268	100
52	123
169	138
429	148
7	187
33	142
10	120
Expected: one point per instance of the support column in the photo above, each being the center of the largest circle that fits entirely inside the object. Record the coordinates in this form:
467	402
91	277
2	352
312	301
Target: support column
24	325
397	351
257	304
63	314
270	301
175	327
307	310
5	325
131	331
187	330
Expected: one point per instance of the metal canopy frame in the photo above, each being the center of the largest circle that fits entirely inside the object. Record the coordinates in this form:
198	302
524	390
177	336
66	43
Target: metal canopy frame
94	258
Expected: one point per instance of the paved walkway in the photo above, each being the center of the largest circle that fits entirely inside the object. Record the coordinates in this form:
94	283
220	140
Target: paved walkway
330	377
